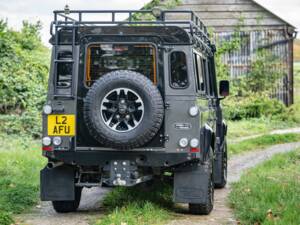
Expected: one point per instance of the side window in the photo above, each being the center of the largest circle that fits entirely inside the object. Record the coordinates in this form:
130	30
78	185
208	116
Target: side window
179	74
64	74
199	73
205	73
212	88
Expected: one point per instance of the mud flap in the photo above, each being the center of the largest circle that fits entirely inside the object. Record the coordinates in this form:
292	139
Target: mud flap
57	184
191	184
218	167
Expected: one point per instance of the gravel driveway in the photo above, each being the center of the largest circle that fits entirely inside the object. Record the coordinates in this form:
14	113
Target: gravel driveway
90	206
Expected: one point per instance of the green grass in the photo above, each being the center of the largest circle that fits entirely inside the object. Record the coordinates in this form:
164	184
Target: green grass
253	126
20	162
248	127
273	186
138	205
262	142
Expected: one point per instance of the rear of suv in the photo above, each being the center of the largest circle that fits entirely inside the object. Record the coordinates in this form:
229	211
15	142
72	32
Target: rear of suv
129	101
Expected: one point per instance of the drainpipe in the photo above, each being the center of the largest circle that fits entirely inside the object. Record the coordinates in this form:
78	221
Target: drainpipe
291	34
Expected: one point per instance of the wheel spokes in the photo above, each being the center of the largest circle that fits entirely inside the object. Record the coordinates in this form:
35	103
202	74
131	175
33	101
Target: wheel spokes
122	109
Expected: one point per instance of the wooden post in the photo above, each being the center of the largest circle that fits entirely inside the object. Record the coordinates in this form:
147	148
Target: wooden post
290	71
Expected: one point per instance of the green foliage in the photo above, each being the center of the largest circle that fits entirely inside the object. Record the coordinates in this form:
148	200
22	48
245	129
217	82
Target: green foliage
226	47
132	206
168	4
20	162
29	123
5	218
250	93
270	193
253	106
24	65
262	142
263	74
256	126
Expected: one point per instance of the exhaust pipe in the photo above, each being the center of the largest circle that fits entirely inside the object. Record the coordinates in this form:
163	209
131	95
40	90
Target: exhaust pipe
52	165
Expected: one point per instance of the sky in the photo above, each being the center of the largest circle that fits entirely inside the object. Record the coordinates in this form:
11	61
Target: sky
15	11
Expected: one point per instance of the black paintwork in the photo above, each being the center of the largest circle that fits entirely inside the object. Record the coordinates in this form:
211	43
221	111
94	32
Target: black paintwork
82	153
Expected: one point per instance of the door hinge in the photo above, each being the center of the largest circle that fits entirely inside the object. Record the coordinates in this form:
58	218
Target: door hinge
167	105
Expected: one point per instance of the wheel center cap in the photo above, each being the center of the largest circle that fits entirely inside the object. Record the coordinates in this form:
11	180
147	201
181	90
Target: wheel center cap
122	107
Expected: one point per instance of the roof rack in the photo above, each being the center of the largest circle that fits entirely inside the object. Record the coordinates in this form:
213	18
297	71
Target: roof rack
192	24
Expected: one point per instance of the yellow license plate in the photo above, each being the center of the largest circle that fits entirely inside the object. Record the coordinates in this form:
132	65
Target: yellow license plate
61	125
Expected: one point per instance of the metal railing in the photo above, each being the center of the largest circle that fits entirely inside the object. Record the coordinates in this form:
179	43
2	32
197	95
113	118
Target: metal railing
75	18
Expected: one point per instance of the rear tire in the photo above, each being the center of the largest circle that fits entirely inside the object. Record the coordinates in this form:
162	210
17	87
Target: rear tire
205	209
68	206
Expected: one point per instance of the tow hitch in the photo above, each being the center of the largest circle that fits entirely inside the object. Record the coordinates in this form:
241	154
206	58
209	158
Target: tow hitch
123	173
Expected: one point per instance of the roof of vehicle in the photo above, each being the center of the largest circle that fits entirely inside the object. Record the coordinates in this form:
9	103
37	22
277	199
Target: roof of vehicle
189	31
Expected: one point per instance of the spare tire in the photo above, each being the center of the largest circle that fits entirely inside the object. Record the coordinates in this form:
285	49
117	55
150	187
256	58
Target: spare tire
123	109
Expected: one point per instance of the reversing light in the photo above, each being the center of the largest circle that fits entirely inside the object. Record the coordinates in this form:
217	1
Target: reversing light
46	141
194	143
47	109
57	141
183	142
193	111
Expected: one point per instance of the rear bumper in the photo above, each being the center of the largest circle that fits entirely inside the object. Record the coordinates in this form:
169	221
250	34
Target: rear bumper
142	158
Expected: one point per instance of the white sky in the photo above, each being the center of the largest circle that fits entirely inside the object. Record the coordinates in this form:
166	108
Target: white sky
33	10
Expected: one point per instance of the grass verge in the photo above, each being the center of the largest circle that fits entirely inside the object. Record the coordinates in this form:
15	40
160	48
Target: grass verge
20	162
138	205
253	126
248	127
262	142
269	193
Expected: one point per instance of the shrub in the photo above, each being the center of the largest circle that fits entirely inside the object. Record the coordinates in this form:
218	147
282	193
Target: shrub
28	123
5	218
23	69
254	106
23	79
292	114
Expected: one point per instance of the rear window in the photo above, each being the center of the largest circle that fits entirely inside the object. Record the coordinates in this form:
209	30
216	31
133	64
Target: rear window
104	58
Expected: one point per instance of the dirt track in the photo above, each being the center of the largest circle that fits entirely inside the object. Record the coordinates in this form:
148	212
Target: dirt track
90	206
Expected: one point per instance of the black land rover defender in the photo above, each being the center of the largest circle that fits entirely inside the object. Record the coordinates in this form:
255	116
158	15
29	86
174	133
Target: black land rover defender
129	101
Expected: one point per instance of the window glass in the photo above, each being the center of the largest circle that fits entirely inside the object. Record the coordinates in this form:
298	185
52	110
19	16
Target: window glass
179	74
211	79
104	58
200	73
197	71
205	73
64	73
